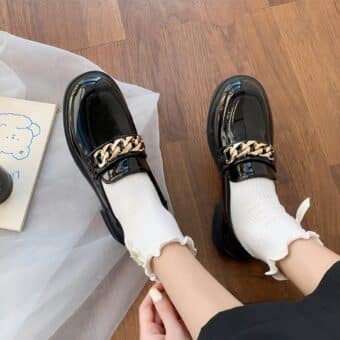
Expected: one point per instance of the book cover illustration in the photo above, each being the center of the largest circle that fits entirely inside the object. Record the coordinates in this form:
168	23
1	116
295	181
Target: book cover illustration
17	132
24	131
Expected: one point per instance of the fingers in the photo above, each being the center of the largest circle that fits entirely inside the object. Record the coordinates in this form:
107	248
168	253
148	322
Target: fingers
164	308
158	317
146	312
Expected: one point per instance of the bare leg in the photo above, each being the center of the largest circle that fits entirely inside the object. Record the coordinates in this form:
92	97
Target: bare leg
196	295
307	263
305	266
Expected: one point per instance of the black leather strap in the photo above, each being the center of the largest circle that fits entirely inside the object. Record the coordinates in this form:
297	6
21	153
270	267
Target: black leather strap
250	168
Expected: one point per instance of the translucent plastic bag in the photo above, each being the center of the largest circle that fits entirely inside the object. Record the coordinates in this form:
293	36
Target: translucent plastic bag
64	274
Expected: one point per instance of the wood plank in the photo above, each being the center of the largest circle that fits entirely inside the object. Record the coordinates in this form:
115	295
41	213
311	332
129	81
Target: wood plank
313	49
222	13
335	170
72	25
3	15
279	2
148	16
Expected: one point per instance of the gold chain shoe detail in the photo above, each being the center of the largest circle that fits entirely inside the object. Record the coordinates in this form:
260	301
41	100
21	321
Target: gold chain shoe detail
249	148
119	147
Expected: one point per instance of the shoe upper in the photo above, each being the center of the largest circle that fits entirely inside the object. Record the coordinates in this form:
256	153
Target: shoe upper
102	138
97	112
240	129
98	124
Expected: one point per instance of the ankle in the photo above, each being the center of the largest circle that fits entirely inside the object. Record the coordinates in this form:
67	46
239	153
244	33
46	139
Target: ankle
317	255
311	259
168	252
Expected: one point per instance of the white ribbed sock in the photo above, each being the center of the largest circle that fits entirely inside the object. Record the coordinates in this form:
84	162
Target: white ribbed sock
147	225
261	223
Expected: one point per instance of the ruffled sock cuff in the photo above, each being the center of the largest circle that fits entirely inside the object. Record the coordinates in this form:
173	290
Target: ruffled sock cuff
273	270
184	241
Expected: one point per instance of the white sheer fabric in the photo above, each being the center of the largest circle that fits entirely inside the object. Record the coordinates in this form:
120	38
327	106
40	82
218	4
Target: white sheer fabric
64	276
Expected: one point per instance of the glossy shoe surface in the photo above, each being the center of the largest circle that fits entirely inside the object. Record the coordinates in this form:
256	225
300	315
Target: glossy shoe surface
240	139
102	137
6	184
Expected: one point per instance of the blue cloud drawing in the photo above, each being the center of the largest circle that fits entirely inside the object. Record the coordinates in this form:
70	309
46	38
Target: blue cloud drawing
17	132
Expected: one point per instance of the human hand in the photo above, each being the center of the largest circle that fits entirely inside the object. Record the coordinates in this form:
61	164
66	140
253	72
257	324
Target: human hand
158	319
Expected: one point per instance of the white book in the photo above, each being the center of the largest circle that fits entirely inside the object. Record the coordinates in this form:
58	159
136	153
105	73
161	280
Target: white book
25	128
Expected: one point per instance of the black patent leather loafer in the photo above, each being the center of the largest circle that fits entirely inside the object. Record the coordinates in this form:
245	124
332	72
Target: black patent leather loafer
102	138
240	139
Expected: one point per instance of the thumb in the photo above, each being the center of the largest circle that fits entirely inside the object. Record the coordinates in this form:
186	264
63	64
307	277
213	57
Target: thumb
164	308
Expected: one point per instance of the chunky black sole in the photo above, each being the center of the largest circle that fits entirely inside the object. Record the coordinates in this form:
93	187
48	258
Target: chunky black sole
106	211
223	234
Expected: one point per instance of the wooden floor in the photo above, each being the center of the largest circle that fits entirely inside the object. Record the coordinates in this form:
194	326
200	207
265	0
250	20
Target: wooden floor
183	49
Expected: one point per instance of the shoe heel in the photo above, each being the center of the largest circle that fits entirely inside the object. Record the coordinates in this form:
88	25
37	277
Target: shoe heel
224	238
217	230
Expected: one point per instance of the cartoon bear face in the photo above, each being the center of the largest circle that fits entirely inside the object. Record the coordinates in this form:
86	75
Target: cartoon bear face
16	134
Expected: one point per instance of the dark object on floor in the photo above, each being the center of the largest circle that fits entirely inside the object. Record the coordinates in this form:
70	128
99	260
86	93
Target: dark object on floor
6	184
240	138
315	317
102	138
